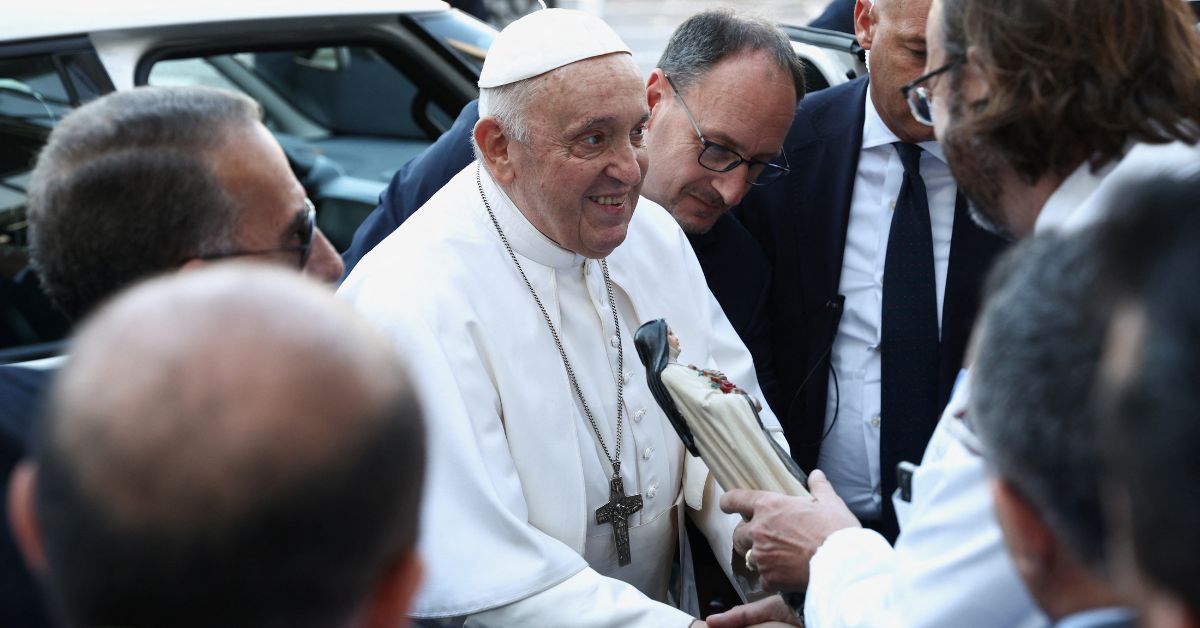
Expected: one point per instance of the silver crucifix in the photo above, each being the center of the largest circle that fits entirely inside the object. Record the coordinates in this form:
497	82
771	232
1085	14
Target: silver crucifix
617	512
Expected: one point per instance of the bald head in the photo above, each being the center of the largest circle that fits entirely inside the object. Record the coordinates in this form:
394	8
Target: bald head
231	437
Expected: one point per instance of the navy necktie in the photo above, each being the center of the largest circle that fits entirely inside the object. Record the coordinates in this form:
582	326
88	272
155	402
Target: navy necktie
909	369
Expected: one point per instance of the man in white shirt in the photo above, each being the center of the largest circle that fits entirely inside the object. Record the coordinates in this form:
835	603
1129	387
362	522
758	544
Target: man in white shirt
872	316
557	485
1038	142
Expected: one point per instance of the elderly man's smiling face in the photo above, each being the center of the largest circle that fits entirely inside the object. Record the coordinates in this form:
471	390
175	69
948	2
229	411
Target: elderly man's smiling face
578	177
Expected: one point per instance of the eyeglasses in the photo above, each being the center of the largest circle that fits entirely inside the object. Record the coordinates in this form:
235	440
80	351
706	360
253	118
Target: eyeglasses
920	101
304	231
718	158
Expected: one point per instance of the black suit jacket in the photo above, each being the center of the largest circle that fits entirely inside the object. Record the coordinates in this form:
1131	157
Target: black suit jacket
801	224
21	393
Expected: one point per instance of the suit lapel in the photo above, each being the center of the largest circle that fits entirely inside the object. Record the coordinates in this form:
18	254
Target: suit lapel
826	192
972	251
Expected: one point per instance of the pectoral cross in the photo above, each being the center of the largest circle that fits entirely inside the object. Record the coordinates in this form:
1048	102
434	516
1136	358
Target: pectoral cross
617	512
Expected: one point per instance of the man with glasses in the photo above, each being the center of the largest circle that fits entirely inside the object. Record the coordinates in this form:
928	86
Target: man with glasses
157	179
1039	142
721	61
139	183
876	270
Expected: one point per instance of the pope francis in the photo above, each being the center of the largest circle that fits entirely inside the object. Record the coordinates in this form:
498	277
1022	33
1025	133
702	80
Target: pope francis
556	486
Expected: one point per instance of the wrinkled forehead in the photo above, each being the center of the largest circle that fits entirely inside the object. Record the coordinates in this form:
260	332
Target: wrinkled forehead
607	87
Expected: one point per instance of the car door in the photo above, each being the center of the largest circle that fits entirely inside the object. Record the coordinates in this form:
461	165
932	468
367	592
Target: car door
40	81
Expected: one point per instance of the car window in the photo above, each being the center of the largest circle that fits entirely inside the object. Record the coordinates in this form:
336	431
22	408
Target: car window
318	92
346	115
465	37
36	91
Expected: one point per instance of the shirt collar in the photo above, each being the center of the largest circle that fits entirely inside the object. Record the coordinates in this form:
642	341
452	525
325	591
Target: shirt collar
876	133
524	238
1070	196
1092	617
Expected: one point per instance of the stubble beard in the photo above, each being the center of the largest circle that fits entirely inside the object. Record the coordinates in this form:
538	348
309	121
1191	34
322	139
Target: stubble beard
976	169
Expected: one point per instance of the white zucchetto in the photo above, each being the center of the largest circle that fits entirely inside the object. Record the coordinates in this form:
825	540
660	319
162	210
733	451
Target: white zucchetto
542	41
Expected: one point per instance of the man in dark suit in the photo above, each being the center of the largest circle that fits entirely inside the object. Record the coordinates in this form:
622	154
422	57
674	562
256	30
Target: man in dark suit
837	16
838	296
721	64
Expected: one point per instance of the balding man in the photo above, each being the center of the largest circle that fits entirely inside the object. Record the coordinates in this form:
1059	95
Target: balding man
230	447
558	485
138	183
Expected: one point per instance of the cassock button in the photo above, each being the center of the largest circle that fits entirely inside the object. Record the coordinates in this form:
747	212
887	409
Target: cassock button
628	376
893	205
639	415
875	421
647	453
651	491
615	341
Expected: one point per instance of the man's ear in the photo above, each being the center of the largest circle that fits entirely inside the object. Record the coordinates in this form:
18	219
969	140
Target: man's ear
22	516
864	22
393	596
494	147
656	91
1030	540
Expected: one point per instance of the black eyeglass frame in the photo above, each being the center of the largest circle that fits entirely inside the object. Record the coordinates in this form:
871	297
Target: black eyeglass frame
770	173
307	232
919	98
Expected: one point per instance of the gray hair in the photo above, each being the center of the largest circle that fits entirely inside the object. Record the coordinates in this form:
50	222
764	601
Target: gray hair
706	38
509	105
283	417
124	189
1040	343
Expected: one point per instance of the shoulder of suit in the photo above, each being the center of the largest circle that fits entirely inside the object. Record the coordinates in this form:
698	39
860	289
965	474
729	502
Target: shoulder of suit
837	99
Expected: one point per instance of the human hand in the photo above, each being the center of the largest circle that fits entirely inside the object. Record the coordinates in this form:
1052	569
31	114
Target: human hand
786	531
765	612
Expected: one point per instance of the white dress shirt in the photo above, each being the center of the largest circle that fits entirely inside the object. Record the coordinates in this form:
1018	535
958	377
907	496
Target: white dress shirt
950	566
1107	617
849	456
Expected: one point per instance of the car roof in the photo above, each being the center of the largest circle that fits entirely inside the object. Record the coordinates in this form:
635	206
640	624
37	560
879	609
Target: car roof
82	17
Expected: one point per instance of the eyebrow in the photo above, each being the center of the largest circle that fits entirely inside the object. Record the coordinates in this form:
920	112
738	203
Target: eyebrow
601	121
725	140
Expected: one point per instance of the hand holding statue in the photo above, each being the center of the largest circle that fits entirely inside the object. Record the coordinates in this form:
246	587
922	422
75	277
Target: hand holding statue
784	532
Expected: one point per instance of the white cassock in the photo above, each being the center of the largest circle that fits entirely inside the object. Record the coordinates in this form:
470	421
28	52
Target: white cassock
509	533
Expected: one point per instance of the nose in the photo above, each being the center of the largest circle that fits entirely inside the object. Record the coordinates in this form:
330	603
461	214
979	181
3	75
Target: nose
324	263
732	185
628	164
